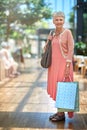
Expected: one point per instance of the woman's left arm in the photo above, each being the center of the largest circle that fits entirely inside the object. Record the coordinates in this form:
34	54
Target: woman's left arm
70	53
70	47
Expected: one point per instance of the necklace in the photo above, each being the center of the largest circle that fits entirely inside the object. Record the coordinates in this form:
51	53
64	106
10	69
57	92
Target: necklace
58	32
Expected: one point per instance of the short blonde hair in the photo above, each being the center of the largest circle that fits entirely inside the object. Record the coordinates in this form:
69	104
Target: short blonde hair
60	13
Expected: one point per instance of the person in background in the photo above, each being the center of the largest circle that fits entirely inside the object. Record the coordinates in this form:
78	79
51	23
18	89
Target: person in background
10	64
62	56
20	50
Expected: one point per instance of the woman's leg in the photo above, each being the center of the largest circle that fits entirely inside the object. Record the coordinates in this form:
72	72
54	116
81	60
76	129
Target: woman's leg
70	114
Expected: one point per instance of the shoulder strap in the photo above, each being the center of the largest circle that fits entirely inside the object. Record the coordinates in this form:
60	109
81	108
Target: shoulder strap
51	32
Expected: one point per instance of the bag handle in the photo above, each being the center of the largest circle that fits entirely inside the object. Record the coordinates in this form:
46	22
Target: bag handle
69	79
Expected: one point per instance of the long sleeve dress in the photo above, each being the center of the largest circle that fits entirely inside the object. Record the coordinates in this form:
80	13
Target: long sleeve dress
62	51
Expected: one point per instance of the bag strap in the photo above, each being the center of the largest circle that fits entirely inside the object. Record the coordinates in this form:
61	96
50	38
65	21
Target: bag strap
51	32
69	79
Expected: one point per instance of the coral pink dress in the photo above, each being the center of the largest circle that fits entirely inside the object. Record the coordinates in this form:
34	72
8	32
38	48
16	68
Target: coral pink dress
57	68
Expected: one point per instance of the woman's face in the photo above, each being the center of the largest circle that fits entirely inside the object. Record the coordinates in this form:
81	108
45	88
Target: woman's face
58	21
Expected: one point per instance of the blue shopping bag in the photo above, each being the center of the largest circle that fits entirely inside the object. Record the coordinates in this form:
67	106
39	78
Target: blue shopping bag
67	95
76	109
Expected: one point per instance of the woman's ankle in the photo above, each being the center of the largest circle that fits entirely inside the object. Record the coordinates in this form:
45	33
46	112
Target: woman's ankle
61	113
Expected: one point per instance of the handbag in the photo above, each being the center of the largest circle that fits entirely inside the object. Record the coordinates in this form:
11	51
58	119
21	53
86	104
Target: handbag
67	97
47	55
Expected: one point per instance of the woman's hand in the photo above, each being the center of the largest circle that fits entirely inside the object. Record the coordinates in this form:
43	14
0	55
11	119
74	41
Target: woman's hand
67	70
44	49
50	37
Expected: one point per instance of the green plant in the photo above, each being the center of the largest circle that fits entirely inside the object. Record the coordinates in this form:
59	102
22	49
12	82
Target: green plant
81	48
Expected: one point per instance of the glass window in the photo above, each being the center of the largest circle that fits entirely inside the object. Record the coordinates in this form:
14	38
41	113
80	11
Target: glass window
85	0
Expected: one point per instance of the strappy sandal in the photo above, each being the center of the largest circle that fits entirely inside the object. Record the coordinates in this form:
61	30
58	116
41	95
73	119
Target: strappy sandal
52	116
58	118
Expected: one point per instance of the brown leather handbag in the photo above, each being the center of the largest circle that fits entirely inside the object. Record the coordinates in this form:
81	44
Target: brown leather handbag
47	55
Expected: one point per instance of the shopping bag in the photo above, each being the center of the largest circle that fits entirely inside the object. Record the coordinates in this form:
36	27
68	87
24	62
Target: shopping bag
76	103
66	95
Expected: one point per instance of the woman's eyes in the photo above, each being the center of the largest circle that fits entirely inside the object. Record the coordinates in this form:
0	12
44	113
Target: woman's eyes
59	19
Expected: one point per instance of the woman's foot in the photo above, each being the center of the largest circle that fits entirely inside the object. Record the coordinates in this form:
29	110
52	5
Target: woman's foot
52	116
59	116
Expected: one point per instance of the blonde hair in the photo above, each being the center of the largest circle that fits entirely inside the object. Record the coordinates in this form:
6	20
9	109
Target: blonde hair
56	14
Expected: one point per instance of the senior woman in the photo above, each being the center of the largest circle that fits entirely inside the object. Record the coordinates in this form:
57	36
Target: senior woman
62	53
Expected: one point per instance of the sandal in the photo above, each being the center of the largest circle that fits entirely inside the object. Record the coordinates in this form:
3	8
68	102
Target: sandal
52	116
58	118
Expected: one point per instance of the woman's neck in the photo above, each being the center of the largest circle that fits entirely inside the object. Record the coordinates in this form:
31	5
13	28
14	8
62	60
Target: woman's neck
58	31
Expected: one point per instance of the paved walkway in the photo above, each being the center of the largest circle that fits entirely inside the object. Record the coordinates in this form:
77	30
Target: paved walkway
25	105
